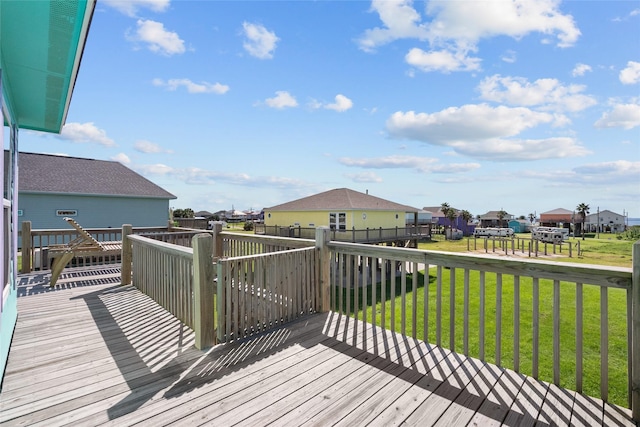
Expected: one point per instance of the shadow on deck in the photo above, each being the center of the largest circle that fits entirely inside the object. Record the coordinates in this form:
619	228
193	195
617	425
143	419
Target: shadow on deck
92	352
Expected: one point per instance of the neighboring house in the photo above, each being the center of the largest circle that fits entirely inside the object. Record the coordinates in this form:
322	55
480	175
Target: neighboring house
439	219
235	216
491	219
340	209
96	193
41	45
560	217
610	222
203	214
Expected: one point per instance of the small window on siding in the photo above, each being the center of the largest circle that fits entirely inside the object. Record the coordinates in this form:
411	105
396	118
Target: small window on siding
66	212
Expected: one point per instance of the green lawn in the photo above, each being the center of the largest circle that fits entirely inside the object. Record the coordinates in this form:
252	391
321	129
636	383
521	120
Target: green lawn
610	252
607	250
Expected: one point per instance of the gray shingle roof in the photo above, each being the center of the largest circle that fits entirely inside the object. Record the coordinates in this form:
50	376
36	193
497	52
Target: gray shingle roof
46	173
344	199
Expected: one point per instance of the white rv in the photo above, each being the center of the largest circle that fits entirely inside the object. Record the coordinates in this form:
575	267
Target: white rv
493	232
550	234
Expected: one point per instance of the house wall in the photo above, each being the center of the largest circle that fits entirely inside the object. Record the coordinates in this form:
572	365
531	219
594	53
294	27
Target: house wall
93	211
609	221
355	218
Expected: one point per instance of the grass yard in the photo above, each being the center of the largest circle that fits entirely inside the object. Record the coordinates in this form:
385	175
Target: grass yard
606	252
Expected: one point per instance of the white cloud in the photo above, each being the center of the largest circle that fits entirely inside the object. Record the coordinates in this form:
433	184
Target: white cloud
626	116
619	167
631	74
122	158
131	7
149	147
192	87
421	164
442	60
399	19
455	28
157	38
86	132
547	94
283	99
259	42
364	177
468	22
341	104
509	57
484	132
389	162
198	176
580	70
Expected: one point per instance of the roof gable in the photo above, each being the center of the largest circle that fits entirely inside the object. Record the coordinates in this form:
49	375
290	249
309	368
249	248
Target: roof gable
559	211
46	173
342	199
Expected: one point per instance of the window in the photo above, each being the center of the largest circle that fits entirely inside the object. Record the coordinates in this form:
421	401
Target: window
66	212
338	221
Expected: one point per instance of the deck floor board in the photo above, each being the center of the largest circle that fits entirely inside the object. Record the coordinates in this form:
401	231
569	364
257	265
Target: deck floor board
92	352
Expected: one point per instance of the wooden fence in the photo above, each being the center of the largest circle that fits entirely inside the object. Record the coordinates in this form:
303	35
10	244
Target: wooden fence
488	307
34	244
253	293
368	235
260	292
444	298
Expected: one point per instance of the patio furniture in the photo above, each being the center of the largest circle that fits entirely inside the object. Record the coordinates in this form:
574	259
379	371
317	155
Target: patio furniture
82	246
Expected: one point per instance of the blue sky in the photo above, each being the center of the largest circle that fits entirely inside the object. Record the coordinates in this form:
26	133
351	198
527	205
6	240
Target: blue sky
515	105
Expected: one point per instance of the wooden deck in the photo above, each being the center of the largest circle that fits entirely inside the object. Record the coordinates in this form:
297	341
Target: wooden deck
93	352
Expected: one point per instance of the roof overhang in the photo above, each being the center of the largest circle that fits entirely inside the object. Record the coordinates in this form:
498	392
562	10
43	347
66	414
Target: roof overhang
41	46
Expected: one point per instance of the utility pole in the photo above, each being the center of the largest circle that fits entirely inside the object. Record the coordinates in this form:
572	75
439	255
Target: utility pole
598	223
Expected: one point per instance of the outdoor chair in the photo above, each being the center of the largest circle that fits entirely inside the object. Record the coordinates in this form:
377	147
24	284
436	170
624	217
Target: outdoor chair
82	246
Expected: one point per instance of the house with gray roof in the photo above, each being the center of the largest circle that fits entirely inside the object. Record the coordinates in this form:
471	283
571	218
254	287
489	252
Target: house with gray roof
96	193
340	209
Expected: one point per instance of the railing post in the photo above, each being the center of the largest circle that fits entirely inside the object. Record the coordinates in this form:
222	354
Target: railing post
322	238
635	334
127	255
26	247
203	290
218	249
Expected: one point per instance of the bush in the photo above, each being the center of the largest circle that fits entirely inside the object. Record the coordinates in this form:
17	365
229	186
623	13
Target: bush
632	233
248	226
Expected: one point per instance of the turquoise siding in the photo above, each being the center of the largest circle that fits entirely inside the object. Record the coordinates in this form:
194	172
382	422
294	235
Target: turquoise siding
8	318
93	211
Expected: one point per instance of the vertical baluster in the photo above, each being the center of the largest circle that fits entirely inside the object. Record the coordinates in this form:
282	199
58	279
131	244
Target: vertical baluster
516	323
452	308
604	343
482	314
499	319
466	313
579	336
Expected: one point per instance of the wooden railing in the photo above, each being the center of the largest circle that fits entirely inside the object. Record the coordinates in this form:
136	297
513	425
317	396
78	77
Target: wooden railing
504	310
259	292
253	293
238	244
536	317
35	248
368	235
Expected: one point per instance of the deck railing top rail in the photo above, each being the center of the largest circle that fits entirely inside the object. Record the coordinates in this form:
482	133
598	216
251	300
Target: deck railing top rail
609	276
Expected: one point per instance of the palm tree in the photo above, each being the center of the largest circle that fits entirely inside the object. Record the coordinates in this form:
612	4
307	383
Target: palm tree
466	217
450	214
532	217
501	216
583	211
